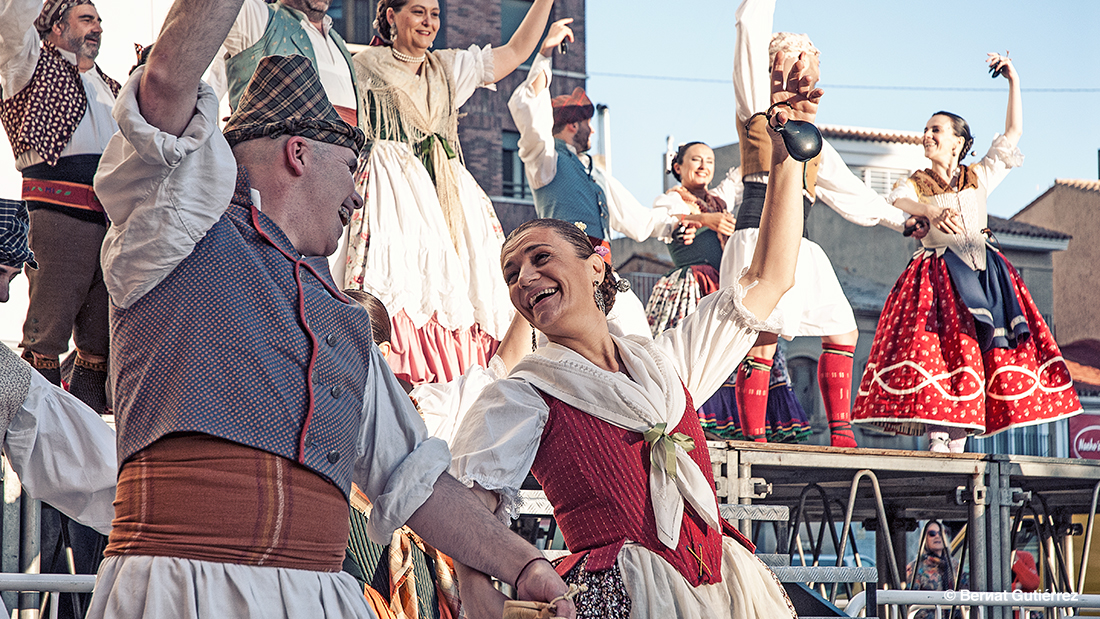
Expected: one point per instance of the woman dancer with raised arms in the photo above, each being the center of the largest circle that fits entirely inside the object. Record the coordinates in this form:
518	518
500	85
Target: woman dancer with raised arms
961	348
427	239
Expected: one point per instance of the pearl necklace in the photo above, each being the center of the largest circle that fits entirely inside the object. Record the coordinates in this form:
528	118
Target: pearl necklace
405	57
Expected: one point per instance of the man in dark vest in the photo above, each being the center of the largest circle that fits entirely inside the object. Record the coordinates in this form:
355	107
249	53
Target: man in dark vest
250	392
569	184
56	110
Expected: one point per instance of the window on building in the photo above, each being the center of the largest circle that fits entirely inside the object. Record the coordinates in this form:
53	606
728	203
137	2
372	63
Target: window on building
354	19
513	178
512	13
882	180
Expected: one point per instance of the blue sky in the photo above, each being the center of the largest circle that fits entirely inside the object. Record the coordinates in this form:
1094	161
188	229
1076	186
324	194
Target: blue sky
918	57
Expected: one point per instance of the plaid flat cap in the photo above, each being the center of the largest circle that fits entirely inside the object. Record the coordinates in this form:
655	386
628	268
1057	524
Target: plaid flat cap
572	108
285	97
14	224
52	12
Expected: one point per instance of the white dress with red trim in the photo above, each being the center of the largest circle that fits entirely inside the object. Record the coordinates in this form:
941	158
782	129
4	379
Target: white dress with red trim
622	458
960	342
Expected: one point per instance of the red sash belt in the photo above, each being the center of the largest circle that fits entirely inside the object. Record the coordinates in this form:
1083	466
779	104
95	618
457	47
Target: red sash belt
62	193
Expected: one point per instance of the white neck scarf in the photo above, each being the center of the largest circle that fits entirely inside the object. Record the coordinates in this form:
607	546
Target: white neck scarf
655	397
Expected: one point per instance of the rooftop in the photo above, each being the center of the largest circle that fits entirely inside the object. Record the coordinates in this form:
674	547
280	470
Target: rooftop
1077	183
1008	226
863	134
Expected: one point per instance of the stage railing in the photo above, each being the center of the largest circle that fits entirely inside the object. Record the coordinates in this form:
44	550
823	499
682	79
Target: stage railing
51	584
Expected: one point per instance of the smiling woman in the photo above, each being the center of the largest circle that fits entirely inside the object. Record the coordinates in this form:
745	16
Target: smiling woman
606	424
961	347
428	239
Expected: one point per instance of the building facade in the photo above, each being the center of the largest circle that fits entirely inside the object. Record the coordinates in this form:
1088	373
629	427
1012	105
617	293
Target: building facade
1072	207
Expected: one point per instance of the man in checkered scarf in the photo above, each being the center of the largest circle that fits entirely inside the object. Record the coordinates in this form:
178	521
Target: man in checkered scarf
250	394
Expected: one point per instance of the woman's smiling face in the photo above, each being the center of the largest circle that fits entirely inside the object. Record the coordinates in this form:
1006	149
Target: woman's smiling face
549	284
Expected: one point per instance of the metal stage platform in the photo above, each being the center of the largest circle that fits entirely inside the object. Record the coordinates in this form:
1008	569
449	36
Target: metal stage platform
985	490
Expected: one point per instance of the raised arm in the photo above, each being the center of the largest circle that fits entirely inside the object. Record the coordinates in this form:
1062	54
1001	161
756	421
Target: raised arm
750	57
192	34
19	44
509	56
776	253
1014	116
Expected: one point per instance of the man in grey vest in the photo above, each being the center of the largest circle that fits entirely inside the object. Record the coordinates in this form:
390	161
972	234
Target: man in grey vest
251	394
280	28
568	184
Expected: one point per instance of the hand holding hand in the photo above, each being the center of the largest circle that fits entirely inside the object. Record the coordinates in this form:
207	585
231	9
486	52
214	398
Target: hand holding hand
722	223
945	220
796	85
559	31
539	582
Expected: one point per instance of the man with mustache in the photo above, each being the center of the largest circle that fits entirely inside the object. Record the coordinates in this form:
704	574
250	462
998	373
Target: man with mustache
55	106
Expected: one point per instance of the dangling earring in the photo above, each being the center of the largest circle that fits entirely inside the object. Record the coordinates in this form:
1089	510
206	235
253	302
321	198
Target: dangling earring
534	340
393	33
600	303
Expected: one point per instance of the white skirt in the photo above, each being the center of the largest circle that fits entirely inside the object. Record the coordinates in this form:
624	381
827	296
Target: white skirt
137	586
412	263
748	589
815	306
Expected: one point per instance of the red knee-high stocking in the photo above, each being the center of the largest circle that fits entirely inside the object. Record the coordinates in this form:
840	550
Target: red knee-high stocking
752	397
834	377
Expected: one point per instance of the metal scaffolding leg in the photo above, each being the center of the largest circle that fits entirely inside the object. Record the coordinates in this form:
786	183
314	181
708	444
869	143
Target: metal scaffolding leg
976	534
744	476
13	505
30	555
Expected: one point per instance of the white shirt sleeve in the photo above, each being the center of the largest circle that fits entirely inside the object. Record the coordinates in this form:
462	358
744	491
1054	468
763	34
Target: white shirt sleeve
850	197
994	166
473	69
20	46
161	192
731	189
534	117
751	79
397	463
445	405
708	344
64	454
626	215
496	445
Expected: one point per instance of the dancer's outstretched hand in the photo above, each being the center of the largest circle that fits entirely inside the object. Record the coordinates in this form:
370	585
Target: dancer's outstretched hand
797	85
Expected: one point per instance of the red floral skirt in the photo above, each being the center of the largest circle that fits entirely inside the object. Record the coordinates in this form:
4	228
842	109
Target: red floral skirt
926	367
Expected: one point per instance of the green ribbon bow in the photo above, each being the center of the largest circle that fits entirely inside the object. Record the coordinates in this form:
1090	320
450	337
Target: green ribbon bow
424	151
661	441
